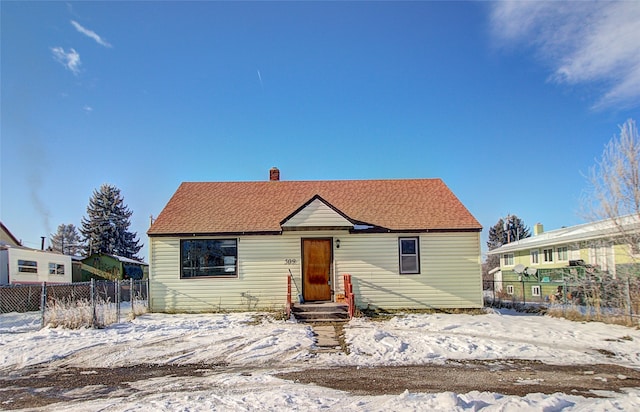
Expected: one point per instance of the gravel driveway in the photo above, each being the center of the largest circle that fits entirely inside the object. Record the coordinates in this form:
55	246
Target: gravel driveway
42	386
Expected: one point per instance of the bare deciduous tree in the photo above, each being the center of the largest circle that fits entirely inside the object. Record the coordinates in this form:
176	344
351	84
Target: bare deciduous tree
66	240
614	187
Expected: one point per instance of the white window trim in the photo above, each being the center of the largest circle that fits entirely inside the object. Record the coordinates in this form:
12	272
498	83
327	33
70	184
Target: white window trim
504	260
56	268
551	255
536	290
416	255
566	250
27	266
510	289
537	252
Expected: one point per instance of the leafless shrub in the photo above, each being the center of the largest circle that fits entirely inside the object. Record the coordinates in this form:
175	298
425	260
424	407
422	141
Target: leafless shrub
68	313
76	314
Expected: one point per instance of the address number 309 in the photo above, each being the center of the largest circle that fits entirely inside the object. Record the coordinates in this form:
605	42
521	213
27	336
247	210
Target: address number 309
291	261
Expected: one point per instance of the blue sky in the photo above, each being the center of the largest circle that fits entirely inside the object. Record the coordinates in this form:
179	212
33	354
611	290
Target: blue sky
510	103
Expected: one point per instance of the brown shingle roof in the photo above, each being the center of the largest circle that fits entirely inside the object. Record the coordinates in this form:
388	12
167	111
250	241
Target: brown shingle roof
245	207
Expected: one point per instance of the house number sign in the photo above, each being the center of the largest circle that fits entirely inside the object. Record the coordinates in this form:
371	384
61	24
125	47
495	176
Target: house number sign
291	261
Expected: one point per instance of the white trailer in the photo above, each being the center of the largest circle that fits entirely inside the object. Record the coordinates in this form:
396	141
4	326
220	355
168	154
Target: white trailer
20	265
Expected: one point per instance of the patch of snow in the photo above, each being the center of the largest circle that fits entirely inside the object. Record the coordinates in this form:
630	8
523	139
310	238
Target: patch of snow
253	340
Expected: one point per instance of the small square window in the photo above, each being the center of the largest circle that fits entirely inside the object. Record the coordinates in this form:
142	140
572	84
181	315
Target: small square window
509	289
409	255
56	269
535	290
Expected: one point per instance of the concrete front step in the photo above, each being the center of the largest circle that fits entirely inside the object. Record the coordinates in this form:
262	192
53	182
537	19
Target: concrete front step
320	312
320	307
321	316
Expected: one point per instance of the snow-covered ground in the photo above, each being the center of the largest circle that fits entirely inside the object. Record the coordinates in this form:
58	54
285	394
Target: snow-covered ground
255	341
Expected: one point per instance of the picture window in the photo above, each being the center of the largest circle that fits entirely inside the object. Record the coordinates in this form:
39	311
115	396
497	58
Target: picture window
208	258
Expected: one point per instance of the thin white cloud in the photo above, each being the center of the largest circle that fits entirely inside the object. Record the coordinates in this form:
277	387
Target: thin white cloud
70	59
87	109
589	43
91	34
260	78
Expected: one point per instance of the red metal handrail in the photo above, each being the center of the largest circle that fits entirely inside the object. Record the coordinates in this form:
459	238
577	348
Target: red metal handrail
288	307
348	294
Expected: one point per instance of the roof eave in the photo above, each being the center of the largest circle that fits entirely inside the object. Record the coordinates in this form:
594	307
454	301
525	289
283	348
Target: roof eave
375	229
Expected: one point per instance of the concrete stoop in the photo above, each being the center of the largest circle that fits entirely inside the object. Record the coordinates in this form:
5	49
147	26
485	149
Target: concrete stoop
320	312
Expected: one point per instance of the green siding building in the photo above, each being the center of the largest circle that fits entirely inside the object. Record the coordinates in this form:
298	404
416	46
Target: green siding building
112	267
541	267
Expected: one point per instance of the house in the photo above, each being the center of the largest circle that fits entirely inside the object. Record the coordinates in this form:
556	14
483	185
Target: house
407	243
21	265
112	267
7	238
537	266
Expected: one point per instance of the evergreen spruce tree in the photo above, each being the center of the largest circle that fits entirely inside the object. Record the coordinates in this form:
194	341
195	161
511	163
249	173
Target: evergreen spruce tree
506	230
66	240
106	226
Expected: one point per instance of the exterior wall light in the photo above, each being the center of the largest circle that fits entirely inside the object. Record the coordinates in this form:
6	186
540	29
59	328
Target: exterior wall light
337	243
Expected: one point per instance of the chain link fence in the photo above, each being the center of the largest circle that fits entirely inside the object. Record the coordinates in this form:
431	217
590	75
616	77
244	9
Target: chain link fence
97	303
602	298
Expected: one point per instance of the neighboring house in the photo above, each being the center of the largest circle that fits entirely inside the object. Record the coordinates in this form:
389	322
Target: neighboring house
112	267
7	238
496	274
20	265
407	243
539	264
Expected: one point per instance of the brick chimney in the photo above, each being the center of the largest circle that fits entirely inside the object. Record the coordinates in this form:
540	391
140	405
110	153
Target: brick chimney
274	174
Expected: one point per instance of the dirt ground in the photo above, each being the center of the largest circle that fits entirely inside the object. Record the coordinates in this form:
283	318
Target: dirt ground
41	386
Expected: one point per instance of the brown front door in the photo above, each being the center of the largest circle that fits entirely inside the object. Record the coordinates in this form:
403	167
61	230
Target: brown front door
316	269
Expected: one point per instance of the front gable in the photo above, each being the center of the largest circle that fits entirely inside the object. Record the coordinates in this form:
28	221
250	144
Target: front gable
316	213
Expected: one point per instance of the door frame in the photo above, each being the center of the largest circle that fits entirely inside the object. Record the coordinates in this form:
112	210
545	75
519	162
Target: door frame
330	265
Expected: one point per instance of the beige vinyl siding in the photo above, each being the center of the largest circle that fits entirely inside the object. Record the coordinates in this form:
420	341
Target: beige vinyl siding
449	276
261	281
317	214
